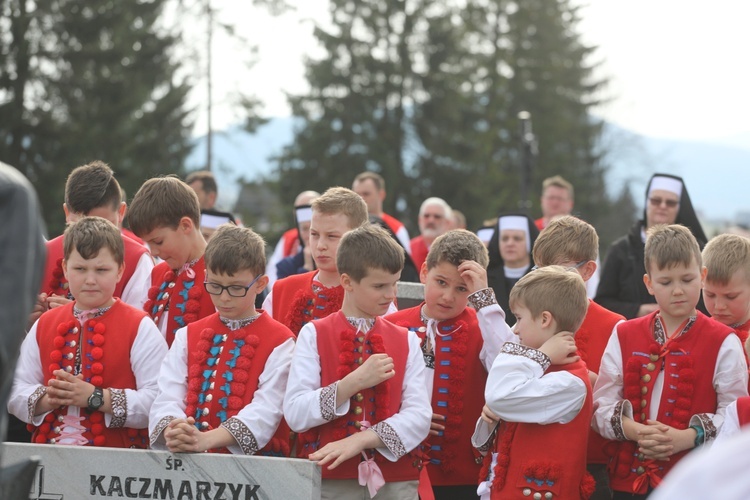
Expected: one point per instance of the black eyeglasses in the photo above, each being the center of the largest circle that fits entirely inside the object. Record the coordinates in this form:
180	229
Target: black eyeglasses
658	201
233	290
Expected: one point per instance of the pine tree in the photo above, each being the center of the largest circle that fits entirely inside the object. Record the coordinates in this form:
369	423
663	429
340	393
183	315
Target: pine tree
428	93
93	81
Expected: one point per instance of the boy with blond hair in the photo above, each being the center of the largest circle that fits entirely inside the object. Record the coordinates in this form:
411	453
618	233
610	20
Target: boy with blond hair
221	386
459	344
570	242
301	298
87	371
540	390
166	215
666	378
726	292
356	386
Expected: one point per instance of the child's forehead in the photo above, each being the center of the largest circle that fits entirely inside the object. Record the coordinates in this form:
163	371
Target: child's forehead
240	275
676	267
330	221
102	254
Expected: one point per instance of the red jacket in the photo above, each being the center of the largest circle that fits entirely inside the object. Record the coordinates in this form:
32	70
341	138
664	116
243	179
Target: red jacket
688	363
181	296
374	404
540	459
231	389
105	353
296	303
457	393
54	281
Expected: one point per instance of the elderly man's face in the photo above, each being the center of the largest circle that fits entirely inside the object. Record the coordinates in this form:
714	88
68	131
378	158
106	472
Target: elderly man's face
432	221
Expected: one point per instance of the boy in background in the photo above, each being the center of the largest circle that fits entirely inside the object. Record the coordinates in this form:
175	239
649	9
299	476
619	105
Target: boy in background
540	390
166	215
356	386
87	371
92	190
569	242
222	384
459	344
666	378
301	298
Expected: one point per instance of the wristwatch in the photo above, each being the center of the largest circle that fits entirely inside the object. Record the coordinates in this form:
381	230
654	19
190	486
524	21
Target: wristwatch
96	400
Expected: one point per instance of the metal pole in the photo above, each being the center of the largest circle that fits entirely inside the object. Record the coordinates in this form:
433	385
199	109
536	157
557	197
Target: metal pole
209	134
528	151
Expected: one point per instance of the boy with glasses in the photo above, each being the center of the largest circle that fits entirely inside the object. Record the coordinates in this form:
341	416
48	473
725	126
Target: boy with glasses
235	361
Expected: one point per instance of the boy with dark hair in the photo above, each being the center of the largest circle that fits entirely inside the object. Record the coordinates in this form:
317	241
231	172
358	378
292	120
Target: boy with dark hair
666	378
87	370
356	385
221	387
540	390
459	344
92	190
298	299
204	184
166	215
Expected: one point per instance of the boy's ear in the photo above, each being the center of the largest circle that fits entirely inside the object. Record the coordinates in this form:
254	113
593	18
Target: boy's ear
346	282
120	271
647	282
423	273
704	273
261	284
65	269
547	319
588	270
67	212
121	211
186	224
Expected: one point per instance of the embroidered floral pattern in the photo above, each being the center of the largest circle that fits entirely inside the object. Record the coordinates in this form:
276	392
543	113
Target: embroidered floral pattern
616	422
244	436
34	399
119	408
482	298
390	438
527	352
163	423
709	429
328	402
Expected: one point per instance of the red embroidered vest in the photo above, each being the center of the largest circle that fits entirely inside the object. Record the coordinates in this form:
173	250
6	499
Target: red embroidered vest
54	281
591	340
181	295
457	393
224	369
369	404
105	362
688	363
536	459
295	303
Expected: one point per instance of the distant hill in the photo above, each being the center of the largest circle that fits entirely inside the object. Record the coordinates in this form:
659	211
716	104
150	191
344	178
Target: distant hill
717	173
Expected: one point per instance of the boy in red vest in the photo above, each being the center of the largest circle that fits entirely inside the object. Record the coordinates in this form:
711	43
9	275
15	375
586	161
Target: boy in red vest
165	213
459	345
301	298
93	190
666	378
727	298
569	242
540	390
221	386
87	371
356	386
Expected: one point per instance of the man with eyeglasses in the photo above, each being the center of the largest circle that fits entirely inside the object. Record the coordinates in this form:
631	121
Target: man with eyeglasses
621	288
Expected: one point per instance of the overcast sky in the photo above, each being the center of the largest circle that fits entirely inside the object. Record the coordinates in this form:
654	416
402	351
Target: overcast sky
678	69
